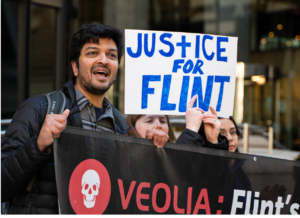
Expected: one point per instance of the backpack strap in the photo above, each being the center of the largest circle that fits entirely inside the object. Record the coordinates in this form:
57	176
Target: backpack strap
56	102
56	105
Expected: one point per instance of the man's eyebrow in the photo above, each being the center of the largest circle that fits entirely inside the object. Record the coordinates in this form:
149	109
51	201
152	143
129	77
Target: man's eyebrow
112	49
92	48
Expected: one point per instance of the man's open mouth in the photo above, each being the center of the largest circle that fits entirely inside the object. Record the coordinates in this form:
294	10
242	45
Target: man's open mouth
101	73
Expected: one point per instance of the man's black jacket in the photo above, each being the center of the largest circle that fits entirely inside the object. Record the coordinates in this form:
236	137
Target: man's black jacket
21	158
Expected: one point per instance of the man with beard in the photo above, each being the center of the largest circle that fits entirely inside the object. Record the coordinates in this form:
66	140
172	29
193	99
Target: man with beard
26	149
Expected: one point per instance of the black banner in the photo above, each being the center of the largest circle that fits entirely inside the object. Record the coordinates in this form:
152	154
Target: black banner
114	174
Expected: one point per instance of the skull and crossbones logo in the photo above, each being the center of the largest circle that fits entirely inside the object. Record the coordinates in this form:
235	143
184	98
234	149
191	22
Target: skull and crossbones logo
90	184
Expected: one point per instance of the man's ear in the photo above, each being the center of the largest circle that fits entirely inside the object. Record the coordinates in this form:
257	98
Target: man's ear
74	67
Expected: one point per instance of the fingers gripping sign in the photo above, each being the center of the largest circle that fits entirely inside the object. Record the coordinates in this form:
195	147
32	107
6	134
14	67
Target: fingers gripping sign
53	125
193	116
159	137
211	126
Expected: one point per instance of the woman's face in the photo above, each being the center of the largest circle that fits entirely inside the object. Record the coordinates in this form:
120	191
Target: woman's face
150	122
228	129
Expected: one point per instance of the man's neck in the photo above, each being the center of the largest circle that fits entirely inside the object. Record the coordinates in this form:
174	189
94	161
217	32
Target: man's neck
95	99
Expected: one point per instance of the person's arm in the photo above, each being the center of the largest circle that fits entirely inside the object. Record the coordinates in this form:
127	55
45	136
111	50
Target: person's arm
222	143
21	156
189	137
212	128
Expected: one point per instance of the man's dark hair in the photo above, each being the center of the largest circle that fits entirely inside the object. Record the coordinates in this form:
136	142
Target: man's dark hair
91	33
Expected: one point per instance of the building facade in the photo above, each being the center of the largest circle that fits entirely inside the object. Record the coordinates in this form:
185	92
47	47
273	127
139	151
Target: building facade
35	36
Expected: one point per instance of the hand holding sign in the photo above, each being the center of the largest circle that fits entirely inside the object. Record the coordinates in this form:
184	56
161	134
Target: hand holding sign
211	126
193	116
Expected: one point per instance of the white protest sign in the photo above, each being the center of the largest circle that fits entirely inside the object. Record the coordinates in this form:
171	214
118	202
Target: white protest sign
163	70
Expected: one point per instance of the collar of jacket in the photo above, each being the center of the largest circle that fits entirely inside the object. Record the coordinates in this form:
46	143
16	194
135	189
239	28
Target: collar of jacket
74	118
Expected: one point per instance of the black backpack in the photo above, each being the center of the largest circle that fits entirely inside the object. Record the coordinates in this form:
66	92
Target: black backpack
56	105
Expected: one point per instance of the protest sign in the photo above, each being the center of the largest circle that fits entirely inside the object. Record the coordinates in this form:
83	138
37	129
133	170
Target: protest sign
105	173
163	70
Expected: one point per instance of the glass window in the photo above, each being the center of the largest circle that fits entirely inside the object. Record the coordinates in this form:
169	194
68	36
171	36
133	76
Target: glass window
10	17
42	50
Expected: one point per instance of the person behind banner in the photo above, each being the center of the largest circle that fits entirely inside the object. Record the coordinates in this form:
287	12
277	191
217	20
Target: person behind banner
27	162
230	130
237	179
144	126
202	129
